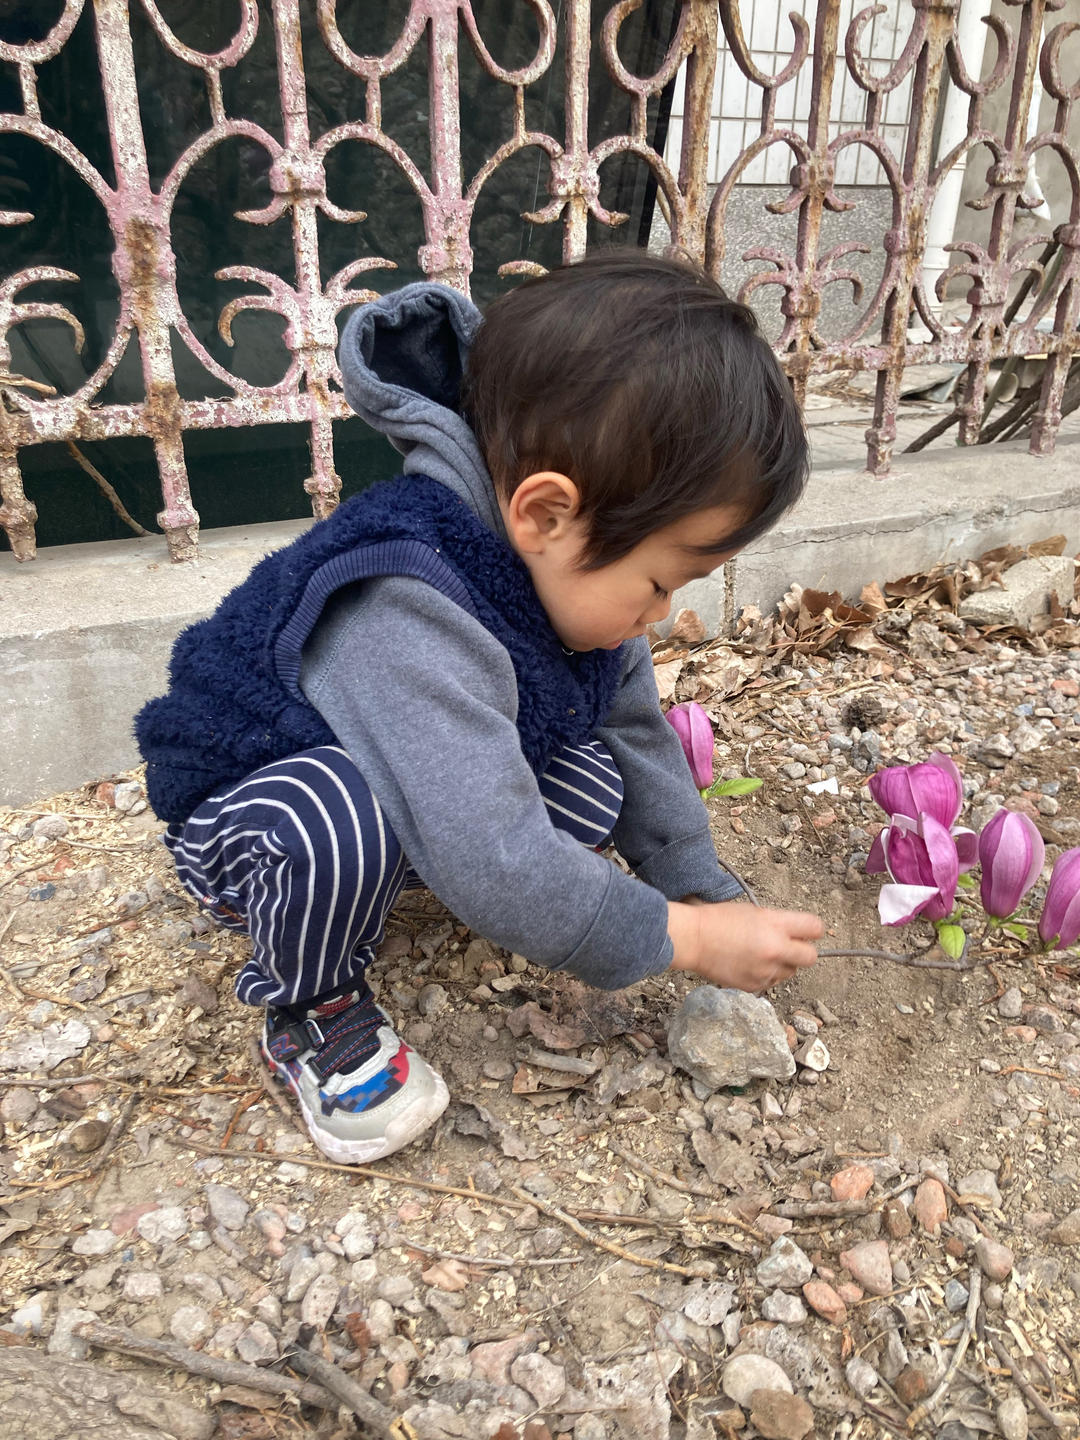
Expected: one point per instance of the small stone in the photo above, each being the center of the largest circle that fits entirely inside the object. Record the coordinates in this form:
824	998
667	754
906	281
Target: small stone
1011	1004
727	1037
981	1182
861	1376
823	1299
163	1225
895	1219
18	1106
930	1205
994	1296
190	1324
90	1135
711	1304
1025	1034
783	1308
911	1385
542	1378
854	1182
1012	1418
227	1206
743	1374
813	1055
95	1242
995	1260
779	1415
547	1241
256	1345
1045	1019
63	1341
196	992
956	1295
320	1301
127	795
432	1000
785	1267
870	1265
50	827
1068	1231
491	1361
143	1285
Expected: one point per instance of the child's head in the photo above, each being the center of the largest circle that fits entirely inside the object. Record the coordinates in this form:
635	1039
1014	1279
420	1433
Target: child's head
630	410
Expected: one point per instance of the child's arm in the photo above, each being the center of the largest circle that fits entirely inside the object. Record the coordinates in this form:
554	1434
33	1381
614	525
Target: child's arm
745	947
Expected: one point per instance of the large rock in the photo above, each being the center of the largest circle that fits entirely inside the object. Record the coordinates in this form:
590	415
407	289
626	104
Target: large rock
1027	592
727	1037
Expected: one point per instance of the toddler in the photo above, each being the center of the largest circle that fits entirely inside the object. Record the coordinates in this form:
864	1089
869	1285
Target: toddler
447	684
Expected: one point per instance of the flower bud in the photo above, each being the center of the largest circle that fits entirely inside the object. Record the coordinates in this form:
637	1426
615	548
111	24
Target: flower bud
695	731
1059	923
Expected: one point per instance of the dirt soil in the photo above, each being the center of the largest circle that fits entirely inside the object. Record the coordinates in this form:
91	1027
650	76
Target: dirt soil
476	1283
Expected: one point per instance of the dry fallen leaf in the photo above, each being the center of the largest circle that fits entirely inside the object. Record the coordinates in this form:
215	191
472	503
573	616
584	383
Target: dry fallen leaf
447	1275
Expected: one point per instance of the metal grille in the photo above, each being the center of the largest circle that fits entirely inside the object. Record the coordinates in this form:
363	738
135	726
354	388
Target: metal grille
813	105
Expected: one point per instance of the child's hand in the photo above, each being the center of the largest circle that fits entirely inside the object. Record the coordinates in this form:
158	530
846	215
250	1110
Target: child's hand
741	946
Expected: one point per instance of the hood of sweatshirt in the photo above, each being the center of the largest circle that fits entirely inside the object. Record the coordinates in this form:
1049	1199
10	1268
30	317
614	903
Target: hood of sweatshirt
402	358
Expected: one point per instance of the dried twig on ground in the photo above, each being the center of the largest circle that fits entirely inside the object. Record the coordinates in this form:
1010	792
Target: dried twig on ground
695	1272
227	1372
373	1414
914	962
1023	1383
930	1404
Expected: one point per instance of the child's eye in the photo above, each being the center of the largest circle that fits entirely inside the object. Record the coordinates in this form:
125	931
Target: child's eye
661	593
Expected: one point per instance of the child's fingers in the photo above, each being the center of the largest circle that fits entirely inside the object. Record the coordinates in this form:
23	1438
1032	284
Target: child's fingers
804	925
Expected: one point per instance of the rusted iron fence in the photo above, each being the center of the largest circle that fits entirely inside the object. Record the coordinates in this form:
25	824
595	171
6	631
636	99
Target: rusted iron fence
1005	314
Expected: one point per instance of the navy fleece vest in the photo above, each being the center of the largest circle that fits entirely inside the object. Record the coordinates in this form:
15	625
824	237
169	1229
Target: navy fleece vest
234	702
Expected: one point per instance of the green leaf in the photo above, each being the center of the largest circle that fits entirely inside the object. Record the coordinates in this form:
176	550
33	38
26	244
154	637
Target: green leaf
952	940
745	786
1021	932
966	882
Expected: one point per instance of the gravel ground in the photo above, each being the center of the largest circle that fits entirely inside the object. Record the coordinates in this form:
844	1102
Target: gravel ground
592	1243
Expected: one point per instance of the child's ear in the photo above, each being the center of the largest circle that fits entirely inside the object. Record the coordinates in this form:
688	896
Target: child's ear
541	511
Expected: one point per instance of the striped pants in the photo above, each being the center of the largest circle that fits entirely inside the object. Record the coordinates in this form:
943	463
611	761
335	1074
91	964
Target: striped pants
300	856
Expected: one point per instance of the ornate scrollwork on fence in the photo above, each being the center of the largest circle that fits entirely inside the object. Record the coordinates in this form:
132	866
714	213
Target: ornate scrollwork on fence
140	215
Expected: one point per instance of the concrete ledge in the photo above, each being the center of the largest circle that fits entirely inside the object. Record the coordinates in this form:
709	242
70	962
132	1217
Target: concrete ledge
85	630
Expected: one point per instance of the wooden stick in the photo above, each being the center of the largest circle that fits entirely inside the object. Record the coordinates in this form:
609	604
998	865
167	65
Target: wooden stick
226	1372
490	1261
695	1272
929	1405
244	1103
1028	1390
41	1187
912	961
347	1391
637	1163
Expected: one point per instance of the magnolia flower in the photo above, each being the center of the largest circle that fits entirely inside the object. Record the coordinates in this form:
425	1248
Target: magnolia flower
921	860
1059	923
933	788
1011	852
695	731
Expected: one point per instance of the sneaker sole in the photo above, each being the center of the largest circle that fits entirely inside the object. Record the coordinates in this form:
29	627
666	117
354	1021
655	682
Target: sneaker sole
402	1130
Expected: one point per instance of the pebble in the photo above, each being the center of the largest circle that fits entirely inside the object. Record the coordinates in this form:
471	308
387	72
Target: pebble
727	1037
432	1000
783	1308
854	1182
870	1265
163	1225
190	1324
1068	1231
95	1242
981	1182
778	1415
18	1106
822	1298
90	1135
320	1301
143	1285
995	1260
256	1345
29	1319
813	1055
956	1295
547	1241
711	1304
861	1376
1012	1418
63	1341
491	1360
930	1205
50	827
895	1219
542	1378
1010	1006
497	1069
227	1206
743	1374
786	1266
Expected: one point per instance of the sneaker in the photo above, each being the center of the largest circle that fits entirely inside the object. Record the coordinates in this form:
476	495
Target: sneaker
363	1092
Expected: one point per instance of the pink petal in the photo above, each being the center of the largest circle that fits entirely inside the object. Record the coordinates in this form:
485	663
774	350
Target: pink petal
946	763
891	789
967	847
1060	919
875	861
1012	854
944	864
897	904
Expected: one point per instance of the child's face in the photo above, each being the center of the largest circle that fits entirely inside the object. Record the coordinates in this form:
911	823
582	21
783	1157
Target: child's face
599	609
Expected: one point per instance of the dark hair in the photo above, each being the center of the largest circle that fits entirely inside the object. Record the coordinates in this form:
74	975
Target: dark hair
641	380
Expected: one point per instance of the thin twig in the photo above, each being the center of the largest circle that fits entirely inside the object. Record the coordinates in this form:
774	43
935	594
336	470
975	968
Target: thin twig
491	1262
11	984
63	1082
85	463
324	1372
37	865
737	877
42	1187
695	1272
226	1372
929	1405
1024	1384
244	1103
913	961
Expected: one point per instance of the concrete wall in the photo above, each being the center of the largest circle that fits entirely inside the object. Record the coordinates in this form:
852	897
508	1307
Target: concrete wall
85	630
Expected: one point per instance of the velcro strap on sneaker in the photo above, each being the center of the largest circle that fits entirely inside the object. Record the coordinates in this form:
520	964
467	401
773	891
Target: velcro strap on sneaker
295	1038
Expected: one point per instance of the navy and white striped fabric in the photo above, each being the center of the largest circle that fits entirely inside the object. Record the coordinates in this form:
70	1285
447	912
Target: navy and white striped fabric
300	856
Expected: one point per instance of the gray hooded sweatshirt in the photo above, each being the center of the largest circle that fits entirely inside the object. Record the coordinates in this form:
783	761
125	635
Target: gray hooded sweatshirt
424	700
